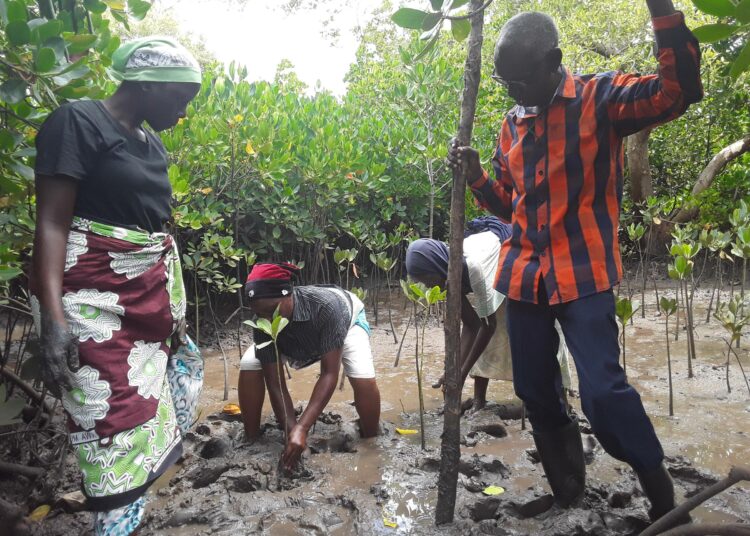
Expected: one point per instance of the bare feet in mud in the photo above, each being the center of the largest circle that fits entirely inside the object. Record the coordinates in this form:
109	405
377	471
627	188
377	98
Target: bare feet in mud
470	406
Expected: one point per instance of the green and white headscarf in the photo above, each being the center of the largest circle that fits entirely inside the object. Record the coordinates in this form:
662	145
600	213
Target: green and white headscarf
155	59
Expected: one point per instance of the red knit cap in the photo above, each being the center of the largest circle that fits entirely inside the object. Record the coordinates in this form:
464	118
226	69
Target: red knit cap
271	280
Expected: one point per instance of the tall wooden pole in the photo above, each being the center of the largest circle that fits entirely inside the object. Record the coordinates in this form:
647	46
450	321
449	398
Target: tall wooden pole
450	450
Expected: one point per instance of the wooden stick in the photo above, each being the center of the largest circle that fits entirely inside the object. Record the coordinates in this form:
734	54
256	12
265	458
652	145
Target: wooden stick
24	470
450	448
714	529
32	393
735	475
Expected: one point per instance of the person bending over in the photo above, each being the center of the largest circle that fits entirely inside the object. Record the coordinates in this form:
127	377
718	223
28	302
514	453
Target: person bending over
327	325
485	352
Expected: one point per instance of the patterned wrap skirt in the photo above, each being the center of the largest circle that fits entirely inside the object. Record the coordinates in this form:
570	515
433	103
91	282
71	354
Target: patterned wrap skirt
123	297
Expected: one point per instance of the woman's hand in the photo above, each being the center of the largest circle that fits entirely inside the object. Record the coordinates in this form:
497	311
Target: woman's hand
179	337
295	446
58	354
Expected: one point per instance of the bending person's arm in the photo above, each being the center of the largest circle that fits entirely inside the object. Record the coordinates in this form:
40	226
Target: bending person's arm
321	395
482	334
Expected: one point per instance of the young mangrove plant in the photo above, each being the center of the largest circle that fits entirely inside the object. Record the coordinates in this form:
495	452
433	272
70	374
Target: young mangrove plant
273	329
668	307
733	317
422	298
683	252
741	250
386	264
635	233
344	258
624	309
717	243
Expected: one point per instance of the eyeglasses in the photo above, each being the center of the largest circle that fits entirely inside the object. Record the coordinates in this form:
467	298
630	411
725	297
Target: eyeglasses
522	82
507	83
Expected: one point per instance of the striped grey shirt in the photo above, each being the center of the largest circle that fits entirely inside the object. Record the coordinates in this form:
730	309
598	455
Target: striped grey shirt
320	321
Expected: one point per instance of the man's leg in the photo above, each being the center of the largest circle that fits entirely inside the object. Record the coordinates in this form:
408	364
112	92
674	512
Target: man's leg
537	381
360	369
252	392
612	406
536	373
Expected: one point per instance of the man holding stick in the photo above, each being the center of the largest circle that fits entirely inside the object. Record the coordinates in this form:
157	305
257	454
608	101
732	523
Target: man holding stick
558	179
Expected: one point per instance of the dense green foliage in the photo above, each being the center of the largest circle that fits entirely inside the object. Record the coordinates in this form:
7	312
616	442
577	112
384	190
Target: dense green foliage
268	170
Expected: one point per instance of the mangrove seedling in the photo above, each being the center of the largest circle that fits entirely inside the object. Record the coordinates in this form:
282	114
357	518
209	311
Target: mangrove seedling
741	250
384	263
717	243
422	298
624	310
733	318
635	233
344	259
681	270
273	328
669	307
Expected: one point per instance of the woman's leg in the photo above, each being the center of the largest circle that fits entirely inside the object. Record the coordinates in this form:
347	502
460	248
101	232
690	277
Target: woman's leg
251	392
120	521
480	392
367	403
360	369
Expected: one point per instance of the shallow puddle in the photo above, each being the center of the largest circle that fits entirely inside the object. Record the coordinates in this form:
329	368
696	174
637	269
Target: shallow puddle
710	427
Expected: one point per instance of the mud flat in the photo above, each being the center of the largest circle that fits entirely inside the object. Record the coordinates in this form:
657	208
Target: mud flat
350	486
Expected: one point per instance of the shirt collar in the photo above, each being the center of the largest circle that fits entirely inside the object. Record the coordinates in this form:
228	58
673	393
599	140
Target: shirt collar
566	89
301	311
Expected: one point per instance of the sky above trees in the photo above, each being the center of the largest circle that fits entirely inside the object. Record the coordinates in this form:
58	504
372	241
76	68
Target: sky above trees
320	41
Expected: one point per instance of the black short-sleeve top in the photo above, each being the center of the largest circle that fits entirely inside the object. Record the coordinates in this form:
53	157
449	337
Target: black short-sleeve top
320	322
122	180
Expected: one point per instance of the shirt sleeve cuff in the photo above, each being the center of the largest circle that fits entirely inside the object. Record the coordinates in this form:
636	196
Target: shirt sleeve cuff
668	22
481	181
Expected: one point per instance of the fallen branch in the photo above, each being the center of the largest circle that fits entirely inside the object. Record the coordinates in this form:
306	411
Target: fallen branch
736	474
32	393
10	511
712	529
23	470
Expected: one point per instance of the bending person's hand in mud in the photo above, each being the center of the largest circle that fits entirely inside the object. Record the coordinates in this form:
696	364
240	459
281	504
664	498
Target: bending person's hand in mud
295	446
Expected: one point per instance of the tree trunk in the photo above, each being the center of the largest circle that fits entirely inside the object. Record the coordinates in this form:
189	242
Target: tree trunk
450	450
662	233
709	173
641	181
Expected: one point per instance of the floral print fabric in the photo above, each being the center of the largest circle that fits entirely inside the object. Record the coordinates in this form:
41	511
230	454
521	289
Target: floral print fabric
122	297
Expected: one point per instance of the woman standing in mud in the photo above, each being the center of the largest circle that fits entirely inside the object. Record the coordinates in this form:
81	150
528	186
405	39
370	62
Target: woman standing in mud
327	325
106	283
485	351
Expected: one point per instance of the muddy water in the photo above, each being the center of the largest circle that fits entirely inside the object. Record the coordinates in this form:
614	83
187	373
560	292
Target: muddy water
711	428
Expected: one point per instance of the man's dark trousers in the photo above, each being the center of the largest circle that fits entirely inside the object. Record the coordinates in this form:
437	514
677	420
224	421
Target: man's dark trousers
611	405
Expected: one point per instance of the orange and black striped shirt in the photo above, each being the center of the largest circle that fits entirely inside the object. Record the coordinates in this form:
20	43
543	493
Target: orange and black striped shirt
559	173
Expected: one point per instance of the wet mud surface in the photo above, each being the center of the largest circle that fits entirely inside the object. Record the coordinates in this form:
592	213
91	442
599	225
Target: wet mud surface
387	485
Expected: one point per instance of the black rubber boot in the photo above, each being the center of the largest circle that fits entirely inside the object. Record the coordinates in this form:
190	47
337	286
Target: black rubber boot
659	490
561	452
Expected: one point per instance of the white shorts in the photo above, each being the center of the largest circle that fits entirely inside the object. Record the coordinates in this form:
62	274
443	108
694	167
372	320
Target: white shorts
356	355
